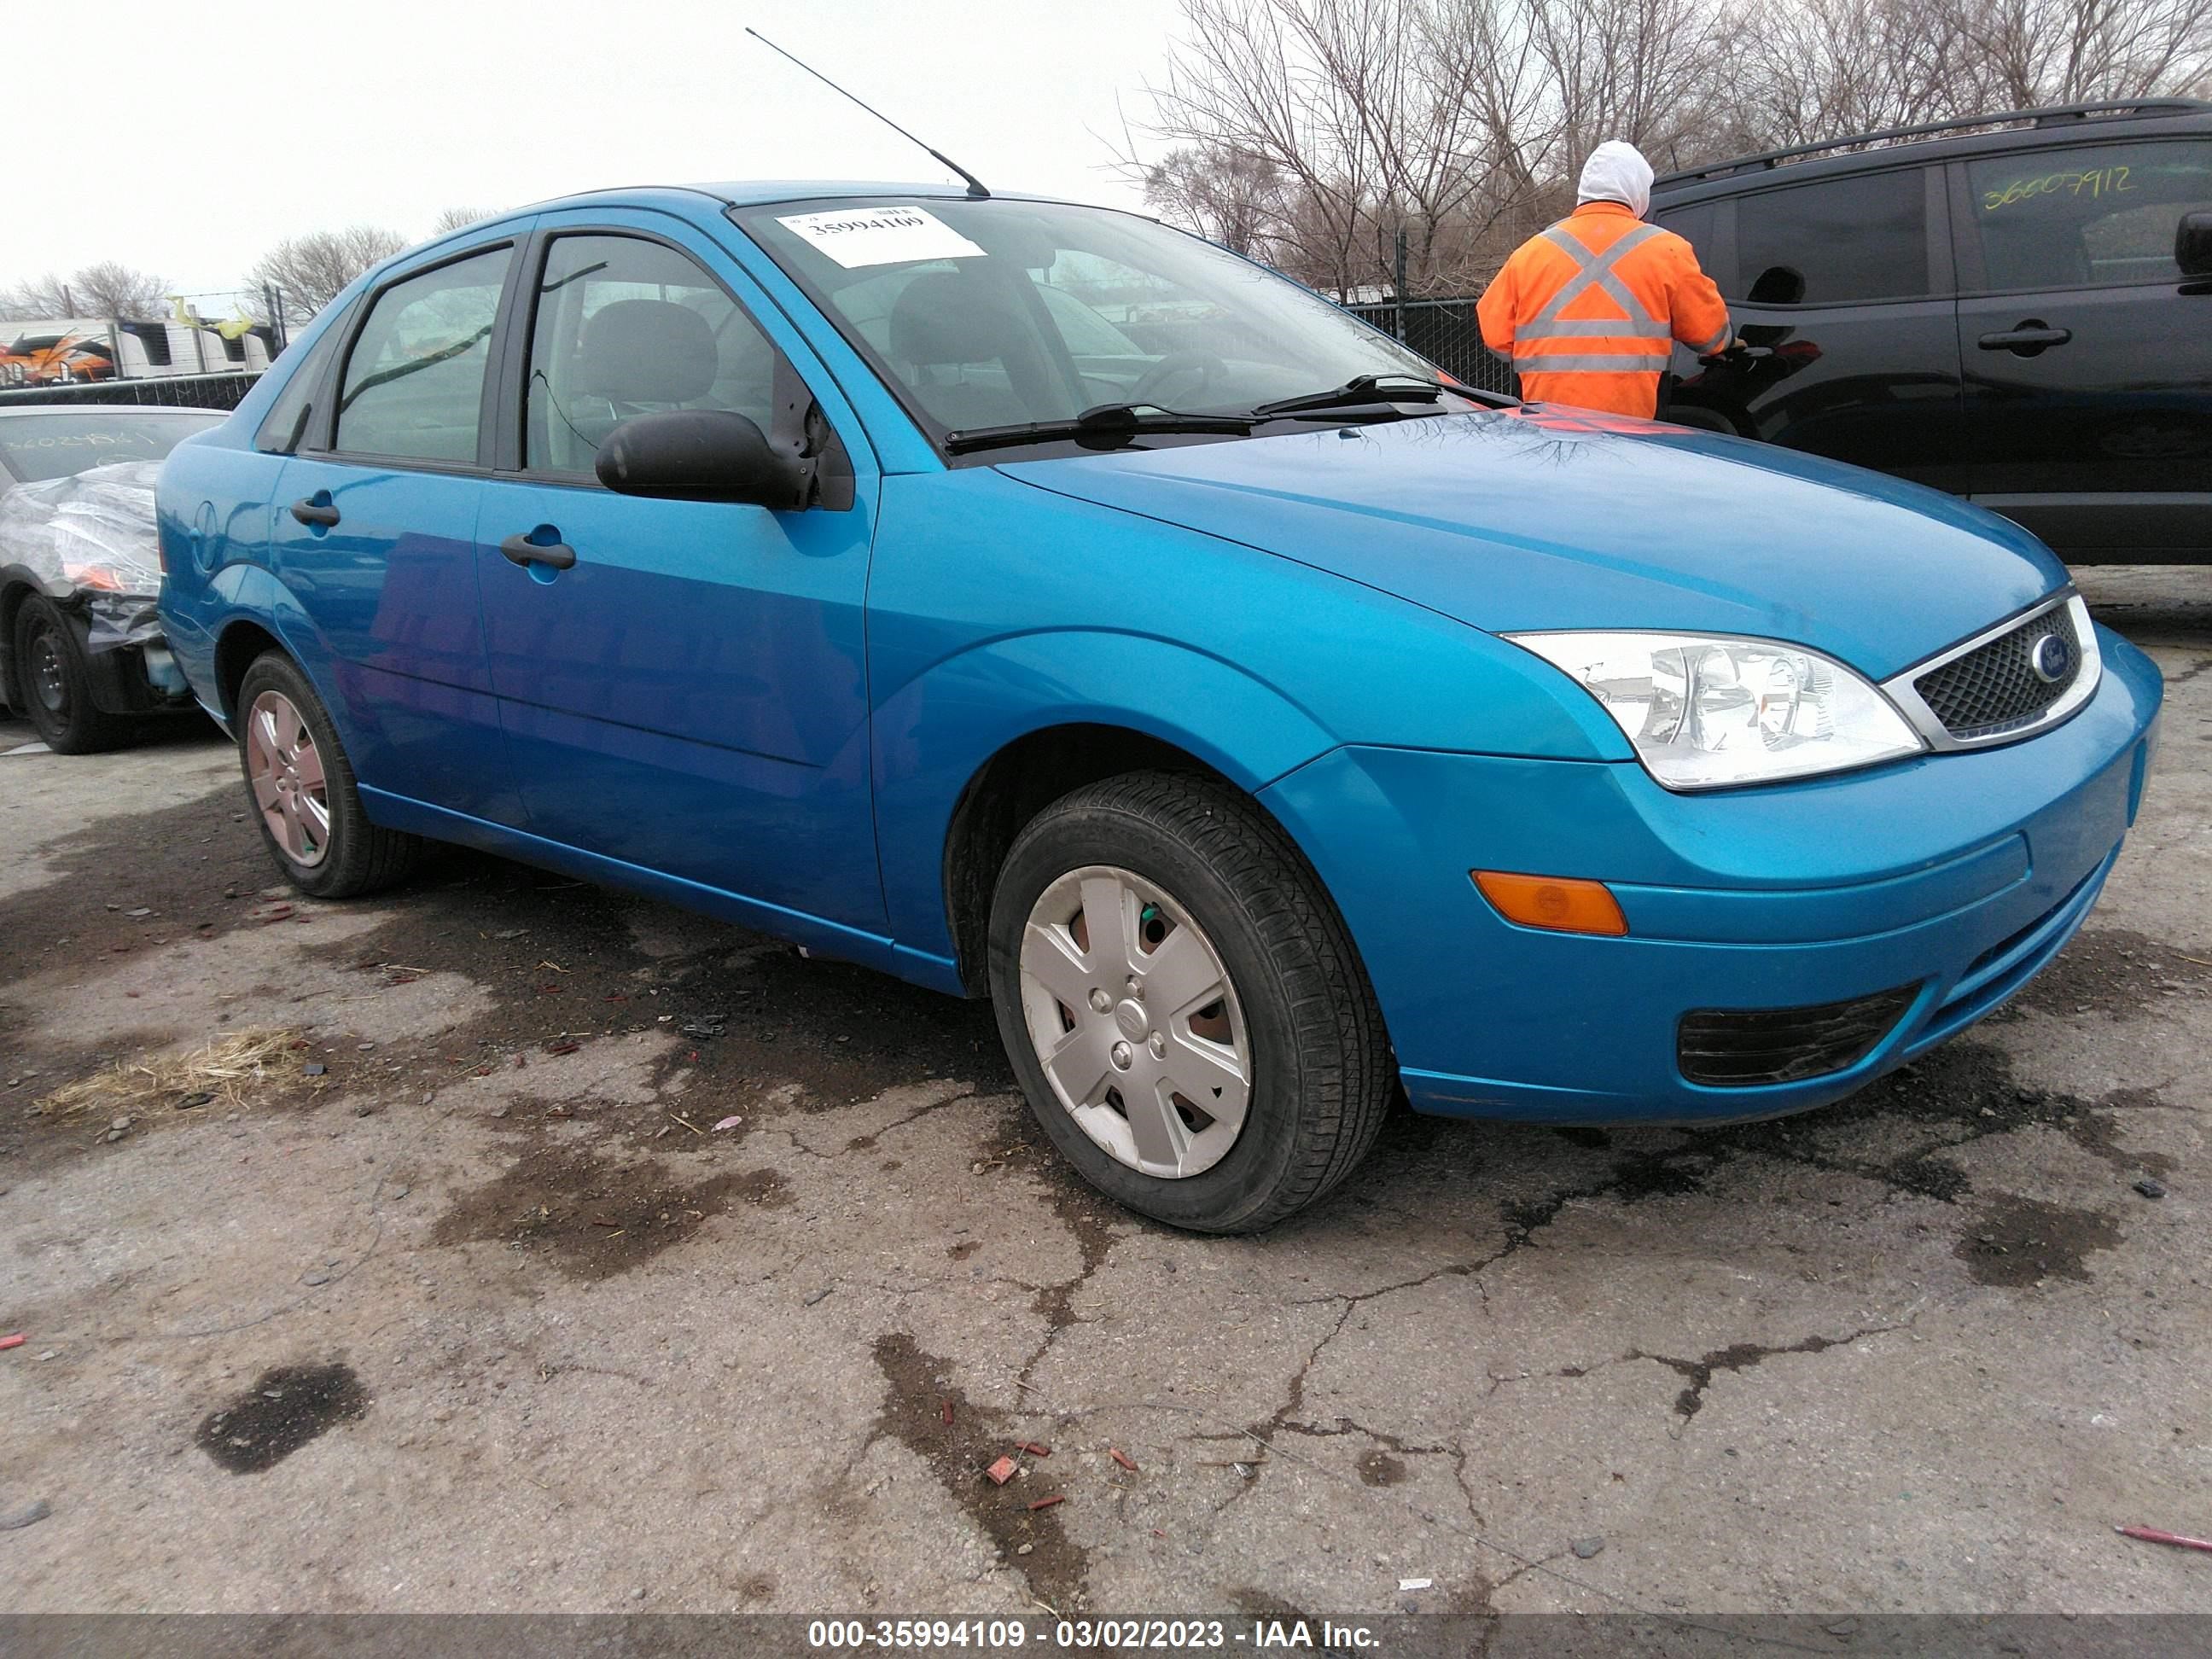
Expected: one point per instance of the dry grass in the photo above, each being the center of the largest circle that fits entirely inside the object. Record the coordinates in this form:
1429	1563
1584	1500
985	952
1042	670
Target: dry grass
225	1069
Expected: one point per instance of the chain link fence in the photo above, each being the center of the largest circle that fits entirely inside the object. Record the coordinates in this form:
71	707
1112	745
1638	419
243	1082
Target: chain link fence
1446	333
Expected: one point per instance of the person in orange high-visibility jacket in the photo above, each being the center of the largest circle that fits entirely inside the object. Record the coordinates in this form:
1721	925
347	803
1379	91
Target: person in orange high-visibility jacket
1587	310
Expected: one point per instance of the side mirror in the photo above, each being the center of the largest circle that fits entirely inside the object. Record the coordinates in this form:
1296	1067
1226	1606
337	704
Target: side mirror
701	455
2193	245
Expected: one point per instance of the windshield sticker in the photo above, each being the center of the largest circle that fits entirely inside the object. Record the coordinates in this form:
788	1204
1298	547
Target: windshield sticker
854	237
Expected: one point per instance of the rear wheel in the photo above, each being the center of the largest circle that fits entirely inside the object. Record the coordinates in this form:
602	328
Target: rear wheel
303	790
1183	1004
57	685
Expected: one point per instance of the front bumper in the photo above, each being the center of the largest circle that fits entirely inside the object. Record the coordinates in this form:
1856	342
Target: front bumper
1959	876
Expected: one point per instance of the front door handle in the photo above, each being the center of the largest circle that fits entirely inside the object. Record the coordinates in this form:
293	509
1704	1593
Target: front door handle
2030	338
307	510
522	550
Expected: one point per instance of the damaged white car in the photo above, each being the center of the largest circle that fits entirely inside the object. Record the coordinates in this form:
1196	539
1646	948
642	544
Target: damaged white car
81	653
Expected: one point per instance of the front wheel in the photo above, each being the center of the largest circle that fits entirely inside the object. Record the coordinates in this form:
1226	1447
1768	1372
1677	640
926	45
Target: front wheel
1183	1004
303	791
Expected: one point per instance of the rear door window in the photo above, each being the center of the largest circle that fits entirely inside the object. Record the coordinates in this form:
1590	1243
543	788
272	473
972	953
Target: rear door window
1838	242
413	388
2098	216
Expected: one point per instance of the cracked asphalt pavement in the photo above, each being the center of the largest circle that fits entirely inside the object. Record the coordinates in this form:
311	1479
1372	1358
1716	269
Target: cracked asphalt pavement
478	1299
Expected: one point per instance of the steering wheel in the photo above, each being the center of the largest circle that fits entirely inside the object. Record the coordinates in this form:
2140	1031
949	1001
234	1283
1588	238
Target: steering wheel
1204	364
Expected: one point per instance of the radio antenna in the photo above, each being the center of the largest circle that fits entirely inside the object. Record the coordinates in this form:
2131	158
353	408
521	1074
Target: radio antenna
974	185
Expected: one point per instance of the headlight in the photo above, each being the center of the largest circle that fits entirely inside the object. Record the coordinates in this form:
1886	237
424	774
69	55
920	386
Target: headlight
1705	712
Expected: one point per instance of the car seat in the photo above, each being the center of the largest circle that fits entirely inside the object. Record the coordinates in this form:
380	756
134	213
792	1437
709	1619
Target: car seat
637	356
975	358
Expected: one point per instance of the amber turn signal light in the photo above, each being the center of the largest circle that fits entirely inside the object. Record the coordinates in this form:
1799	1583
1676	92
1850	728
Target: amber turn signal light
1565	904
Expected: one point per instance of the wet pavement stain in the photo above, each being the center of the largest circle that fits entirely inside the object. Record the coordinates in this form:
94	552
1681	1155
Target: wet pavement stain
2115	971
1097	1223
203	850
563	958
2018	1242
285	1409
1737	1357
593	1218
1379	1468
914	1413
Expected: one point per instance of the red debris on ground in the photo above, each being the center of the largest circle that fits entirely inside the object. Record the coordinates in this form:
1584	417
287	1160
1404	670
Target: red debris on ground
2153	1535
19	1340
1002	1471
1047	1502
1123	1458
563	1048
1034	1448
948	1414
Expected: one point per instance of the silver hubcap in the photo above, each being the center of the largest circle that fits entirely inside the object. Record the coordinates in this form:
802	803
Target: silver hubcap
1136	1023
286	771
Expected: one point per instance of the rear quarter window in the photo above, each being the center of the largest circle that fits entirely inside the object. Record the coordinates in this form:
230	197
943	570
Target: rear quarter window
289	419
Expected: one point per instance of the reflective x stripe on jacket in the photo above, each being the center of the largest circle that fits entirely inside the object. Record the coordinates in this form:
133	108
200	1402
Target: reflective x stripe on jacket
1589	310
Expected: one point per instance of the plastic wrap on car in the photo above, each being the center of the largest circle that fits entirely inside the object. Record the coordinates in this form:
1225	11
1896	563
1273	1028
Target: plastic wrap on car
90	538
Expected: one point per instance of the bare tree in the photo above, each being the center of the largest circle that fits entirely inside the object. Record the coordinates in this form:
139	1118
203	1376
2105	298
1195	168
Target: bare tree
308	272
1314	131
1369	116
2040	51
460	218
105	289
1237	200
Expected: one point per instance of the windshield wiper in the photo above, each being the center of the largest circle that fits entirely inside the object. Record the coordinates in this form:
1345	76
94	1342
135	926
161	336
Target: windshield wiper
1356	393
1106	424
1374	390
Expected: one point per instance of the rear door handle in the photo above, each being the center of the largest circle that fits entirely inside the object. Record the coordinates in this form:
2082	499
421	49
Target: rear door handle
522	550
2027	339
307	510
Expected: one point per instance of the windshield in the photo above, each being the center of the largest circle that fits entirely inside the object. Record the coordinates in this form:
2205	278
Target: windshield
985	314
56	445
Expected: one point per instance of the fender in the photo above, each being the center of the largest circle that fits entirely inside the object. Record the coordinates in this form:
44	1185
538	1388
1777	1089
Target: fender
939	730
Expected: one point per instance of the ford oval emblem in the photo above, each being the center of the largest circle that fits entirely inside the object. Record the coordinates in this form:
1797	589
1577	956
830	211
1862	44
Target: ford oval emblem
2052	659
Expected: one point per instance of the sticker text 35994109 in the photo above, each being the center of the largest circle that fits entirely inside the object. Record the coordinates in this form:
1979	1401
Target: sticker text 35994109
854	237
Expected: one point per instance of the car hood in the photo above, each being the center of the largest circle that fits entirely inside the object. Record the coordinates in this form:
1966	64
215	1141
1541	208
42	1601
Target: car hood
1548	518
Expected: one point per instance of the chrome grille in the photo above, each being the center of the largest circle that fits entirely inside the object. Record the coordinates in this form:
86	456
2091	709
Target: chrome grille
1989	689
1995	688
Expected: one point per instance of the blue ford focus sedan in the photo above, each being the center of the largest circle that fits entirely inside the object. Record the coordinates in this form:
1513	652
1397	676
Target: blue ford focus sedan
1040	603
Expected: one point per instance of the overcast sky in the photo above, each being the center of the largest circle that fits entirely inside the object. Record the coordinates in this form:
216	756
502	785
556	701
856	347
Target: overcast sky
186	138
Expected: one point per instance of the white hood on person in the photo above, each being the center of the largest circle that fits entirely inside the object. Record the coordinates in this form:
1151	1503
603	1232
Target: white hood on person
1617	172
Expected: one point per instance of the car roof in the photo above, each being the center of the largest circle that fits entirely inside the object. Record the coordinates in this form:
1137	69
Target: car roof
2030	129
750	193
756	192
734	193
7	410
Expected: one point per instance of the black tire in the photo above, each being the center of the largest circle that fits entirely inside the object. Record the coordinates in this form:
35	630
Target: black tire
1322	1076
55	685
359	857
